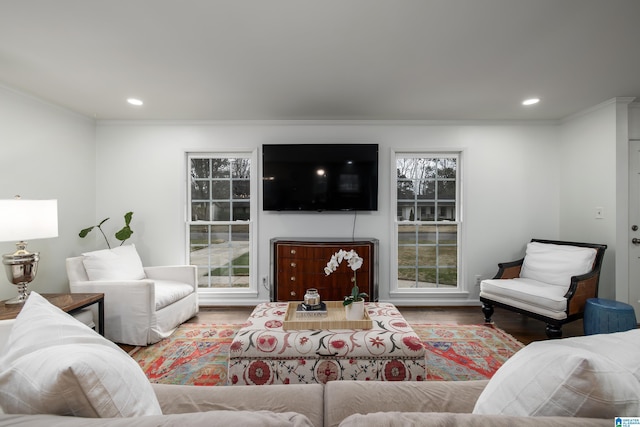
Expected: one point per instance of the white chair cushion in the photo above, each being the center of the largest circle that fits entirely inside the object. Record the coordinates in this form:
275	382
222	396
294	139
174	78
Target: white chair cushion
530	292
556	264
121	263
54	364
597	376
168	292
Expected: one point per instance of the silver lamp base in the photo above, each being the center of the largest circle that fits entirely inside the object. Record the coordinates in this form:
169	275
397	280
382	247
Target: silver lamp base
21	268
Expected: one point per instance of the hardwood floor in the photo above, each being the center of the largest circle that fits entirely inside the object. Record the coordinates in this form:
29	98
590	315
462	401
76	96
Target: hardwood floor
522	328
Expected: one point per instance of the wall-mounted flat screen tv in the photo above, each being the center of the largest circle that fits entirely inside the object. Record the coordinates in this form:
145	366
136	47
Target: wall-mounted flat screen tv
320	177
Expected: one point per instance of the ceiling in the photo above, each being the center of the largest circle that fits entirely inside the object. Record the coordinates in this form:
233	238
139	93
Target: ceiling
322	59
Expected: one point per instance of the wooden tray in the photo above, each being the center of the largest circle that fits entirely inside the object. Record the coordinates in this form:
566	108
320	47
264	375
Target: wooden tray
335	319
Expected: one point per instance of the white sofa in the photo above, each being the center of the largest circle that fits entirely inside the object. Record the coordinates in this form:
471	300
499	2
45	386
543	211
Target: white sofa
27	361
142	305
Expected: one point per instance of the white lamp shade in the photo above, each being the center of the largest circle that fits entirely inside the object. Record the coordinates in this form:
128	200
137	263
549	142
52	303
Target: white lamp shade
28	219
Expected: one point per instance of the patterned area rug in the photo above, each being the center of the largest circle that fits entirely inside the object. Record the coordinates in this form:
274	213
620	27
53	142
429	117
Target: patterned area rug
197	354
465	352
194	355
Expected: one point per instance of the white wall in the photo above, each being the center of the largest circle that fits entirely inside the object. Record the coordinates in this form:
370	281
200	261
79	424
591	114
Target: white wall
511	185
520	181
47	153
588	179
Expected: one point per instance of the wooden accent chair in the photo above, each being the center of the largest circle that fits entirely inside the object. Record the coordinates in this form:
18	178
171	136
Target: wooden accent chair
551	283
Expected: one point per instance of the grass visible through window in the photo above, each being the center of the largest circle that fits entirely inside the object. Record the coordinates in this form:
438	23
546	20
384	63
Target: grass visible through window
239	267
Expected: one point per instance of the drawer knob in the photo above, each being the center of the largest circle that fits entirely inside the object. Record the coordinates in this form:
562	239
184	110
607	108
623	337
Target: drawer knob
293	293
293	278
293	251
293	264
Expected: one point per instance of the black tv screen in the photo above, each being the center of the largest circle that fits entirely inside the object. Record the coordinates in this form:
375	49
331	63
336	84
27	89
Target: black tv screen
320	177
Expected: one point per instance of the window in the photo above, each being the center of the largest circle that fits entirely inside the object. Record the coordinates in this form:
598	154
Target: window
427	223
220	220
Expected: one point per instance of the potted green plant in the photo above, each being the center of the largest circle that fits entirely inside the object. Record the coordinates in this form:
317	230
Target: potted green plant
122	235
353	303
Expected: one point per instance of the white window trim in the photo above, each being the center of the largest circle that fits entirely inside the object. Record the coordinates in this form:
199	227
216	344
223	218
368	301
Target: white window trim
216	296
441	295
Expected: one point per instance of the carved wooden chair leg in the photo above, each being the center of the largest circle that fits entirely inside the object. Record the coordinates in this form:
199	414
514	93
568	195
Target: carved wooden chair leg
487	309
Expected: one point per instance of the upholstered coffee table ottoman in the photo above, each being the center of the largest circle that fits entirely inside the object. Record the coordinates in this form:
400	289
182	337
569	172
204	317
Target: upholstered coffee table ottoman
263	352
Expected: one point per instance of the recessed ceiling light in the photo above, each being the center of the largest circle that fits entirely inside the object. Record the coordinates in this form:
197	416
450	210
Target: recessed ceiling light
135	101
531	101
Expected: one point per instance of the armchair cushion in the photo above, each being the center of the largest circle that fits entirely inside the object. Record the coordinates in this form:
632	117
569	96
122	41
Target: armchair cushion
54	364
121	263
556	264
168	292
528	292
597	376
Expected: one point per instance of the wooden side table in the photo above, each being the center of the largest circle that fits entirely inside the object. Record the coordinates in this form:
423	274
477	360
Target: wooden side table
69	303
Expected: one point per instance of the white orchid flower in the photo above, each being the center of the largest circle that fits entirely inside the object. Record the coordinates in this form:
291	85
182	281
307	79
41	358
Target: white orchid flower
355	263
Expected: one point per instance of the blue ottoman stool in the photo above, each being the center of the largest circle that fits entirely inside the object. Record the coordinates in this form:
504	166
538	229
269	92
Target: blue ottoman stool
602	316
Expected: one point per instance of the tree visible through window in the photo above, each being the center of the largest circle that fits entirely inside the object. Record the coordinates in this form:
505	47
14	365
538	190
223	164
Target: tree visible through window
427	221
220	220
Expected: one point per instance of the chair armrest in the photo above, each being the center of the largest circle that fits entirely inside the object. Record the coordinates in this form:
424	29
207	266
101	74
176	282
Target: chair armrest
509	270
179	273
581	289
138	295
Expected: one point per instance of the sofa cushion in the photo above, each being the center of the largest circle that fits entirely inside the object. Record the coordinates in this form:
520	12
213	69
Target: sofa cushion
54	364
596	376
196	419
439	419
121	263
555	264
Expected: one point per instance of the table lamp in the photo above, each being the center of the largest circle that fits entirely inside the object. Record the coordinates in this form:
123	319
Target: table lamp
22	220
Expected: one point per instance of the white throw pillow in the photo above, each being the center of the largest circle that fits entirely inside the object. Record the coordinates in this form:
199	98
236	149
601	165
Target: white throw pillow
596	376
121	263
556	264
53	364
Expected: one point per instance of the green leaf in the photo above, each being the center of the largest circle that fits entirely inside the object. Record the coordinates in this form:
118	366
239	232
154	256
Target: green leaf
83	233
127	218
124	234
355	291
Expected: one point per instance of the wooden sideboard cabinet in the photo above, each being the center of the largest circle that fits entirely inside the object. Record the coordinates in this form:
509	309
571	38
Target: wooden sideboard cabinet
299	265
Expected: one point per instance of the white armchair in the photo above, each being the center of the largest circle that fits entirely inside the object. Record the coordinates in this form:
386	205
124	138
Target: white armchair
138	311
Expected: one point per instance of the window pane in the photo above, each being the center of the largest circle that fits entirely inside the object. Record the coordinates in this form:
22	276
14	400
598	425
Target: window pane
220	168
407	211
200	190
241	211
221	190
406	256
199	236
405	189
426	190
200	211
221	211
407	234
446	190
241	168
199	168
407	277
241	189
